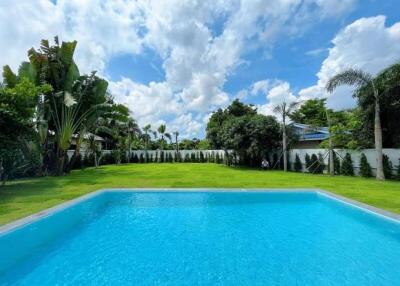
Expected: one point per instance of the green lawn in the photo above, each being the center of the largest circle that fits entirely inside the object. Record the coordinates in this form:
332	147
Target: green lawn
24	197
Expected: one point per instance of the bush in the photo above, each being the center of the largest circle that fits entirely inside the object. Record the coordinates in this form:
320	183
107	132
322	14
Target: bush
398	171
155	158
347	166
141	158
321	165
307	160
336	163
202	160
315	167
193	157
387	167
297	163
217	158
170	158
135	158
187	158
212	157
107	159
365	168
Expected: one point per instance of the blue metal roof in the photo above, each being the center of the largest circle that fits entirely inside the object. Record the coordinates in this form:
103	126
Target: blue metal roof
311	133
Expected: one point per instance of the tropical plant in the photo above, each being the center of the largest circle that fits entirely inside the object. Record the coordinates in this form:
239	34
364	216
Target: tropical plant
285	109
360	79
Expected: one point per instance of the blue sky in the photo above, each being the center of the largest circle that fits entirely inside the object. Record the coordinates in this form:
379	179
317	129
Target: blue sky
175	62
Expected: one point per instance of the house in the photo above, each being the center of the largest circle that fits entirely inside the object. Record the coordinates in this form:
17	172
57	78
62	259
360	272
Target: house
99	141
309	137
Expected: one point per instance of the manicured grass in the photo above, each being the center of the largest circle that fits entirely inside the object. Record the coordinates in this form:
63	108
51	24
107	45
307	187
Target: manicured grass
24	197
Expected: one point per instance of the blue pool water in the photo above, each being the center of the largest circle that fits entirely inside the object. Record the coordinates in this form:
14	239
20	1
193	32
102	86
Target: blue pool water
207	238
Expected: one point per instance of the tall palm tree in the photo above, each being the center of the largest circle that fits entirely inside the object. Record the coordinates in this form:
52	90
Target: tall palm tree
147	130
285	109
359	79
176	134
132	130
162	130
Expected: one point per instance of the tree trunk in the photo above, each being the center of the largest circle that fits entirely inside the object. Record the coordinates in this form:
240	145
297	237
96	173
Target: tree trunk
284	146
378	141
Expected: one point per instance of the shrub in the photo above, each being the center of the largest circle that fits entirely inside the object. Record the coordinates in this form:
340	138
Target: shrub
314	164
347	166
107	159
202	160
307	160
387	167
365	168
161	160
398	171
155	158
336	163
212	157
141	158
321	164
297	163
178	157
135	158
170	158
217	158
187	158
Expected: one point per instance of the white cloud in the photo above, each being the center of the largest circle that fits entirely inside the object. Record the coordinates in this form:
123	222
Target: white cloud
367	44
196	60
277	95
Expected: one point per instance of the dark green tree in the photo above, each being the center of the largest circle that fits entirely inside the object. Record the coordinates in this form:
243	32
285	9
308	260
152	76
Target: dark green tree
297	164
347	166
387	167
365	168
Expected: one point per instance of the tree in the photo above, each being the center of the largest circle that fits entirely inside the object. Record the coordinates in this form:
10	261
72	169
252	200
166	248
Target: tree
387	167
297	164
240	128
307	160
360	80
365	168
285	109
311	112
398	171
347	166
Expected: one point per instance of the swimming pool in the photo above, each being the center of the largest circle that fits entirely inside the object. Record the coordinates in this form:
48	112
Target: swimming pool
204	237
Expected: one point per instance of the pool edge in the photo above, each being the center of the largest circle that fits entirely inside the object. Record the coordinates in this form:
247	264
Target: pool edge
4	229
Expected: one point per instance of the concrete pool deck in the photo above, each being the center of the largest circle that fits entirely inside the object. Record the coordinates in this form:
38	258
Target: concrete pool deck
48	212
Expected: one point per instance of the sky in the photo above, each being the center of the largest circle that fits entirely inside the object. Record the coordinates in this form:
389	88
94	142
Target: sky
174	62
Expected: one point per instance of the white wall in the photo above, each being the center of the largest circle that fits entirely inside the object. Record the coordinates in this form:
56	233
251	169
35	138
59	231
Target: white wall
393	154
153	153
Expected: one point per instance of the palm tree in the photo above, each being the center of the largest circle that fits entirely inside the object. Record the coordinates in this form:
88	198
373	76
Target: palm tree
162	130
132	129
285	109
359	79
146	130
176	134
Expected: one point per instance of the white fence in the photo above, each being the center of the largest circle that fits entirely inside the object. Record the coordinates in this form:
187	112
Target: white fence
393	154
157	153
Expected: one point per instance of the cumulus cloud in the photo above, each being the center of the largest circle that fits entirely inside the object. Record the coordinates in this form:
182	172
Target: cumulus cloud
367	44
197	60
277	95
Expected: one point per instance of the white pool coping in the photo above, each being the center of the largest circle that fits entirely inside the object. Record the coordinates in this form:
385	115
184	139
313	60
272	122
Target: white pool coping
50	211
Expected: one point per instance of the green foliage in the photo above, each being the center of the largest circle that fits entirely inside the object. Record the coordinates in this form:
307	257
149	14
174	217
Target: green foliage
116	154
398	171
241	129
297	164
187	158
202	159
336	164
141	158
312	112
365	168
193	158
387	167
347	166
